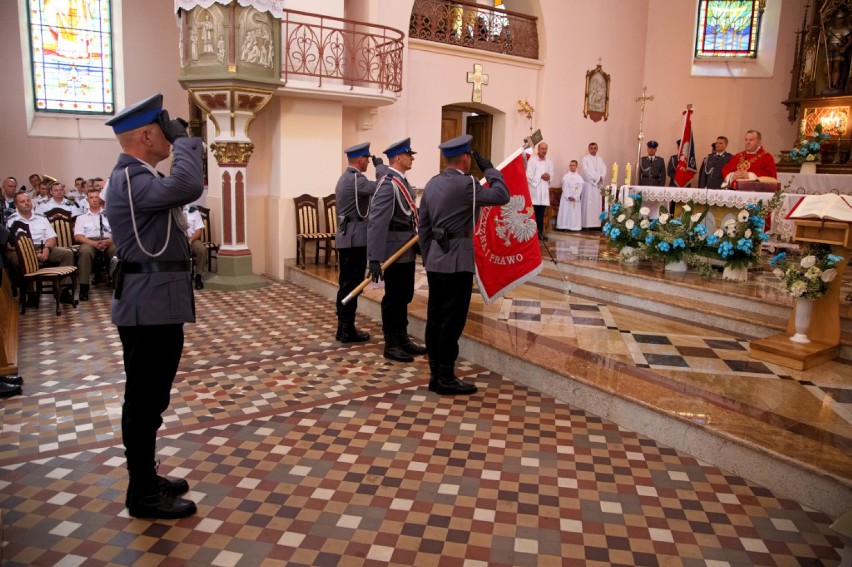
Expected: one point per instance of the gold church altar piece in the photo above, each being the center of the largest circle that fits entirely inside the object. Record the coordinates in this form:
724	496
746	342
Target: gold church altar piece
824	333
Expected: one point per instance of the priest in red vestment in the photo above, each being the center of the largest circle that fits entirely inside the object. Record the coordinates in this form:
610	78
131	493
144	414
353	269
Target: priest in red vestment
749	165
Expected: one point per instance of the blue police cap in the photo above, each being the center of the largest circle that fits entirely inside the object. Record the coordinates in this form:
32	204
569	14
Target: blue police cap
653	144
137	115
400	147
456	146
357	150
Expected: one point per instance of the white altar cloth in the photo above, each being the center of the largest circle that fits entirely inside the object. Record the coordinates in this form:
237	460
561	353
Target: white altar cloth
816	184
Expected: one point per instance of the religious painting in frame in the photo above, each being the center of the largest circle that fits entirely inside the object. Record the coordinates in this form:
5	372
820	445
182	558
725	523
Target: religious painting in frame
596	105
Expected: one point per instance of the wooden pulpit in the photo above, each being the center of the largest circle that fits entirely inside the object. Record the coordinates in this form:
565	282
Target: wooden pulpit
824	332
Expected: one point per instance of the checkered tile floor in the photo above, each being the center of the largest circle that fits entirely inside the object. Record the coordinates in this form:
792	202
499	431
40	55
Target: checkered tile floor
300	451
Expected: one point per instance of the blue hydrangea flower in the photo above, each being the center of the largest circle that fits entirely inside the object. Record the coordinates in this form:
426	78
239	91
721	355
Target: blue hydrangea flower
699	229
663	246
613	210
794	153
602	216
745	244
675	221
726	249
749	207
634	232
614	233
649	239
763	236
654	223
778	258
712	240
678	243
606	228
833	259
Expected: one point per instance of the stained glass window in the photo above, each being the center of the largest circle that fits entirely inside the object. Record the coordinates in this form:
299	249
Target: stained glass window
71	50
728	29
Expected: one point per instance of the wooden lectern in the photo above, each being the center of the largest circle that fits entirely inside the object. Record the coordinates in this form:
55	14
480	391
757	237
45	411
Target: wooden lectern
825	321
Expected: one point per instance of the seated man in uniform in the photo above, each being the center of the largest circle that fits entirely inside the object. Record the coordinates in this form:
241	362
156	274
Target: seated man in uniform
92	233
752	164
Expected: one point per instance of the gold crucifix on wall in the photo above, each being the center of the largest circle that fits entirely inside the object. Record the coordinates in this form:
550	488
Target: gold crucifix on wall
477	78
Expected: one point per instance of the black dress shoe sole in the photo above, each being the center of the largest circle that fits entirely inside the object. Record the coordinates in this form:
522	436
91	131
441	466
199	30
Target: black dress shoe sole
455	391
10	391
398	357
162	513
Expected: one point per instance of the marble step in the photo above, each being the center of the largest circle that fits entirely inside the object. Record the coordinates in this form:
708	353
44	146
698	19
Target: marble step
681	297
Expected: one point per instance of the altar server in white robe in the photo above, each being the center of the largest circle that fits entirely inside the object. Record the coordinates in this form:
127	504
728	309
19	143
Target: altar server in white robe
570	214
593	169
539	172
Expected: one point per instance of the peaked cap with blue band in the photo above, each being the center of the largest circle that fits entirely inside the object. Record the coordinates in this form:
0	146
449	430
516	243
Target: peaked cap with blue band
400	147
137	115
456	146
653	144
357	150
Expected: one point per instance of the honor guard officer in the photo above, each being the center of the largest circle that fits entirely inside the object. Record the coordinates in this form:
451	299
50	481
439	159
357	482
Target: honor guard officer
392	223
352	195
448	212
652	168
153	290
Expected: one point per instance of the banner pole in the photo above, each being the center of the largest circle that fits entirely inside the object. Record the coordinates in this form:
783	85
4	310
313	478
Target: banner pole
357	291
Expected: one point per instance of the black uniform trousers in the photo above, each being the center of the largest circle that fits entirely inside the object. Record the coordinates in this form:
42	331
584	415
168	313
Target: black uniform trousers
399	291
539	217
151	357
353	266
449	302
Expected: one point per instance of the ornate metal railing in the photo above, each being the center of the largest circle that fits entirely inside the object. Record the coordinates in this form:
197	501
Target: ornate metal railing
478	27
344	51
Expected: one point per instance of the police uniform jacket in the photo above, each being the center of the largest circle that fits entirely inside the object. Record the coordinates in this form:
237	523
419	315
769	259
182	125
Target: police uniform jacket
352	196
159	298
447	205
710	175
652	171
389	225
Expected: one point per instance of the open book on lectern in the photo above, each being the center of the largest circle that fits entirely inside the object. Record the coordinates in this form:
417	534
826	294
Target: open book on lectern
829	206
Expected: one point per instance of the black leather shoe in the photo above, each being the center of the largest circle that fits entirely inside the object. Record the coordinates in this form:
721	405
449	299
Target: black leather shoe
9	390
84	293
173	486
409	347
66	297
199	283
349	334
396	353
454	387
12	379
159	504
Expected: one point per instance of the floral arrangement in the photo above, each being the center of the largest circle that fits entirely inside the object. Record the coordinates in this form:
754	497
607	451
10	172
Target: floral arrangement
807	148
626	224
737	242
810	275
670	237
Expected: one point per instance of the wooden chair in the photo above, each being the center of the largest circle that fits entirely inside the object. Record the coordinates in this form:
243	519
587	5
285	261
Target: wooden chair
308	227
32	273
552	211
329	203
212	247
63	225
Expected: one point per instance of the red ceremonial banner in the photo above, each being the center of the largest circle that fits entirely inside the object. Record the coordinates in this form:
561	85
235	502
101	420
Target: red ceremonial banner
506	243
686	164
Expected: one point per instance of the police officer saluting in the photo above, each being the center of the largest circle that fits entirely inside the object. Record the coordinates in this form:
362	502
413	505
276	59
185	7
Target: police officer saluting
153	294
448	211
393	222
652	168
352	196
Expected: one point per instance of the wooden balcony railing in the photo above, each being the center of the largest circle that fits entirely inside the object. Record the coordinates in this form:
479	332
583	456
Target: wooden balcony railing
341	51
478	27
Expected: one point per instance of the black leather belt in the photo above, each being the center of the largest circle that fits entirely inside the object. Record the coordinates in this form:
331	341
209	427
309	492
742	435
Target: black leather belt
401	227
460	234
154	267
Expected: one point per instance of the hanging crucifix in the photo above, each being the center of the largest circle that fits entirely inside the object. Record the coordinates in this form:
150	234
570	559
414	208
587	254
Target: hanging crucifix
477	78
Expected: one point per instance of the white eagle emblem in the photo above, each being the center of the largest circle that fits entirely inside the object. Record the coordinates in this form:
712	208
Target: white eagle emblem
517	221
